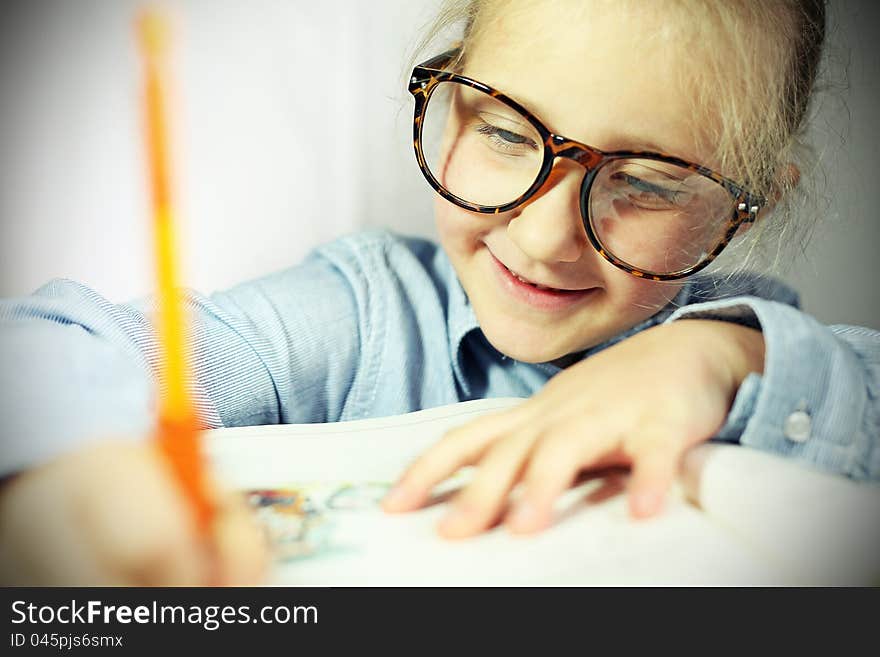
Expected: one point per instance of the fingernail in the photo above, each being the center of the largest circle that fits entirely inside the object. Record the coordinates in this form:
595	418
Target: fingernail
456	518
397	496
646	504
524	516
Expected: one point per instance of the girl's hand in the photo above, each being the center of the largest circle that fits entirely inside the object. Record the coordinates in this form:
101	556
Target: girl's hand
111	514
641	403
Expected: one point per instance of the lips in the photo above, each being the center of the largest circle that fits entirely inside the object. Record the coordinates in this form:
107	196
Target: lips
539	296
539	286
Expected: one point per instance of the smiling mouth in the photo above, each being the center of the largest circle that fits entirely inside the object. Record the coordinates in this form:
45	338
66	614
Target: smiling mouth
544	298
539	286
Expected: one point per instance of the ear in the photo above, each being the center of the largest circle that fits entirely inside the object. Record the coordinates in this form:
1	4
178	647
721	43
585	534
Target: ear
787	179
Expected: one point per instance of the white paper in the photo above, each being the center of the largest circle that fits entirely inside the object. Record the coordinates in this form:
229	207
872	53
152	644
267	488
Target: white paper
754	507
820	529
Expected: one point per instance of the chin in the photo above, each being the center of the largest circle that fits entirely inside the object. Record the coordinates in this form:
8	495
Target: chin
525	346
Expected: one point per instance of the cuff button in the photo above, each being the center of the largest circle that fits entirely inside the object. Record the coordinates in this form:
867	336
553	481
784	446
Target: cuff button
797	425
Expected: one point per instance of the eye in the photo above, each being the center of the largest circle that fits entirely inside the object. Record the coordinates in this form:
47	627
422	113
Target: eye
507	141
647	194
506	135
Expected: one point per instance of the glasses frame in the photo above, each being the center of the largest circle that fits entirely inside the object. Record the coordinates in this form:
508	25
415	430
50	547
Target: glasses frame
424	81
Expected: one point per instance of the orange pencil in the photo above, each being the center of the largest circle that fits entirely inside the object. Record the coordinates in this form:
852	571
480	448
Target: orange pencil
178	433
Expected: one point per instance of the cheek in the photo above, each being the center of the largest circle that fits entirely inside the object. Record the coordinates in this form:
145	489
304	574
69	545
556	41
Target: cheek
446	221
456	165
636	298
459	230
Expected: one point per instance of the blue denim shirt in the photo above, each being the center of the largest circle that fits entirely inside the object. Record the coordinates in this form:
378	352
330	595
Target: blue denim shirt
377	324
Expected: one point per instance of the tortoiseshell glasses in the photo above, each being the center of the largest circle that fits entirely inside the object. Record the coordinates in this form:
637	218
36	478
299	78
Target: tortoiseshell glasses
653	215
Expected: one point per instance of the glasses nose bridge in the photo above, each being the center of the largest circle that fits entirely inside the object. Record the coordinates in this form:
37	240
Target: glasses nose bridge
586	156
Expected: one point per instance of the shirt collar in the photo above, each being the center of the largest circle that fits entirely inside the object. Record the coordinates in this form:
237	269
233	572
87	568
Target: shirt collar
461	321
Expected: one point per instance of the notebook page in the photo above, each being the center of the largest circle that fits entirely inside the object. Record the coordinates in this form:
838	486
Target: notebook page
594	542
375	449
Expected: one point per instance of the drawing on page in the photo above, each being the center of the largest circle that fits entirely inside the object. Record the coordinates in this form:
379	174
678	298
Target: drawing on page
299	520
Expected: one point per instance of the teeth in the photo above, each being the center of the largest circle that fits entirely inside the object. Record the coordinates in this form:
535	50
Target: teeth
536	285
528	282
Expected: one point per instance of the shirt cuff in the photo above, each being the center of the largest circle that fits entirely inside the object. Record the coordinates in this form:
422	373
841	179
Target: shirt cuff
810	403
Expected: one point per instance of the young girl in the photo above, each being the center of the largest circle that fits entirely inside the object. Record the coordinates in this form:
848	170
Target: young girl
590	160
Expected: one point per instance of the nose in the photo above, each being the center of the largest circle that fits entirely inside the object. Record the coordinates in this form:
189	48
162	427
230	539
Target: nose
549	227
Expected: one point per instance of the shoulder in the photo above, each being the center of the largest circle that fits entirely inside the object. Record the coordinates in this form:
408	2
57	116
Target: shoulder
378	256
713	287
369	271
369	242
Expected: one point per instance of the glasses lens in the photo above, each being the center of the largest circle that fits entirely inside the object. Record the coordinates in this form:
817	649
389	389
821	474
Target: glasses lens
478	148
658	217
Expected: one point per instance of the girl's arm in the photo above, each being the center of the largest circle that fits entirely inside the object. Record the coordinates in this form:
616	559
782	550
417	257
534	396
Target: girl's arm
783	382
76	374
75	367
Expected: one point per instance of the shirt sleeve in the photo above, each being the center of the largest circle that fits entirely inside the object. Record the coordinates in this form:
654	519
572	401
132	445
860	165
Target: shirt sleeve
75	367
817	399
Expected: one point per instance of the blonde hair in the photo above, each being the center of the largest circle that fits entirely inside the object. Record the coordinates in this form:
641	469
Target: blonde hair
761	110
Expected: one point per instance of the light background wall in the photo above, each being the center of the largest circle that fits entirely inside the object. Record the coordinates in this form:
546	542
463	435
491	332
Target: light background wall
292	127
839	275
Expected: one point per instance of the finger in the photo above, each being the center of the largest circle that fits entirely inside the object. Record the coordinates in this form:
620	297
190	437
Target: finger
42	540
655	466
241	553
460	447
148	538
555	463
693	468
480	503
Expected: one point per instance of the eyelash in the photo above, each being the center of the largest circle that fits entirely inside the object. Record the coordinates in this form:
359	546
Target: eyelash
494	132
644	186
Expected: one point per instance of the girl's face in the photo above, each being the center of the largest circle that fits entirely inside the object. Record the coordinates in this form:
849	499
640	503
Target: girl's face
604	76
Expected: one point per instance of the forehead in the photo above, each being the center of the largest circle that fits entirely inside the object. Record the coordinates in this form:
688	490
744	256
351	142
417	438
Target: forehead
614	75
